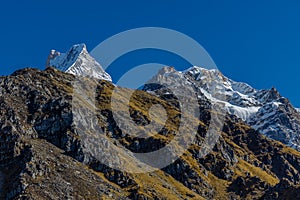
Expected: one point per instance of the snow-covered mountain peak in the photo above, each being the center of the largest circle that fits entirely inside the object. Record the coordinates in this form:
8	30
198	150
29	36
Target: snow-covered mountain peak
268	96
200	72
77	61
197	70
165	70
236	93
265	110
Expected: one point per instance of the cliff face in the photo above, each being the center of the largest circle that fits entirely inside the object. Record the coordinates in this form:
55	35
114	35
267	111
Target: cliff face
42	156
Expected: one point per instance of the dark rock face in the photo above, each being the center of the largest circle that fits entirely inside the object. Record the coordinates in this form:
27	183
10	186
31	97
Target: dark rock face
284	190
244	187
182	172
42	156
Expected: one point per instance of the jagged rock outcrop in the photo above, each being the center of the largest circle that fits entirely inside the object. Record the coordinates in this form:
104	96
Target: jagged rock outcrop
283	190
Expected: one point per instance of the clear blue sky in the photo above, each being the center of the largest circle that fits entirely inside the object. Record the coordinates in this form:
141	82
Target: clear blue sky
257	42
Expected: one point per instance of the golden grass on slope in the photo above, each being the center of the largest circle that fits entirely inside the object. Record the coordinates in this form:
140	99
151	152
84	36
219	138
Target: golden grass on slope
243	167
220	186
159	183
289	150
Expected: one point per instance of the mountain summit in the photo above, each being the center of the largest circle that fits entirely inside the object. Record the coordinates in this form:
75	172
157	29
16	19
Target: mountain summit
265	110
77	61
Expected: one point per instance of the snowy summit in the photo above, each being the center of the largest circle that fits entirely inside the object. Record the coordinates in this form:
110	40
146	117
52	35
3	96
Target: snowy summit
264	110
77	61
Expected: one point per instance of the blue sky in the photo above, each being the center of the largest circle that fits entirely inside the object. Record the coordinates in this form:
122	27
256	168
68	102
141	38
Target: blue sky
257	42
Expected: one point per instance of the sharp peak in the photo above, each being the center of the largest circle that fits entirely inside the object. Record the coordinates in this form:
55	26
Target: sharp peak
78	47
74	49
213	72
81	46
273	91
77	61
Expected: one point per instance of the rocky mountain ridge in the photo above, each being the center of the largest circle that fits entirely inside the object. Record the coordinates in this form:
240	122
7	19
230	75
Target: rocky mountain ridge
43	157
264	110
